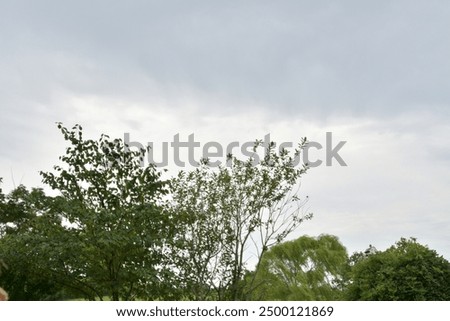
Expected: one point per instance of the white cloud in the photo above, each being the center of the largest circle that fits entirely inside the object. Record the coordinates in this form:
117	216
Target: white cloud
373	74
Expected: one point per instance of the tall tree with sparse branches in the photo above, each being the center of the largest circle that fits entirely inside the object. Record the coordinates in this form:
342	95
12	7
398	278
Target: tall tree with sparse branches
230	211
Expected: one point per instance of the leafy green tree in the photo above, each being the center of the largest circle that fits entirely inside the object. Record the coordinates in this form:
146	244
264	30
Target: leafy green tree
25	273
231	210
2	224
115	230
307	268
407	271
105	232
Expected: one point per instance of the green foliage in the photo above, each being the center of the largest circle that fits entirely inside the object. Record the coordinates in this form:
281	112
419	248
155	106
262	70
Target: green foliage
307	268
109	234
105	232
223	211
25	273
407	271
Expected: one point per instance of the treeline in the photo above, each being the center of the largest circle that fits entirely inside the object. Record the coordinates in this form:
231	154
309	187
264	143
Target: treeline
320	269
117	230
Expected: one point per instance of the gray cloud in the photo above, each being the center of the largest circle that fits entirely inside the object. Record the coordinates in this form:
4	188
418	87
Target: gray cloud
232	69
301	57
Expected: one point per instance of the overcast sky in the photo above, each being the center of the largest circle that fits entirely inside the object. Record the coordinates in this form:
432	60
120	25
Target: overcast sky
375	74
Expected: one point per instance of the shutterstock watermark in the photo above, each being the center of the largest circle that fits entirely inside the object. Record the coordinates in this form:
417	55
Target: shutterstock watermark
186	151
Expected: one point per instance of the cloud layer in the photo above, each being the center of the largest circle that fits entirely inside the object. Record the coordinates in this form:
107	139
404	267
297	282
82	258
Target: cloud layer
375	74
